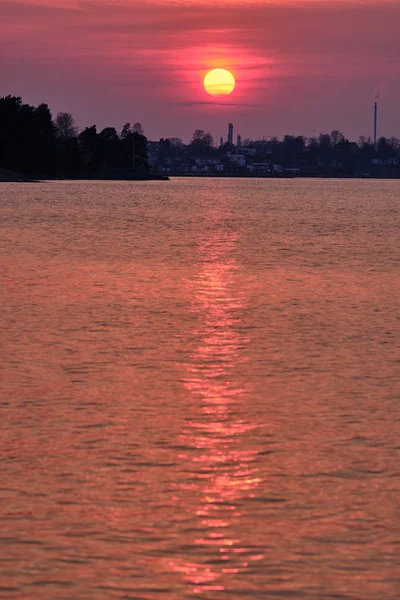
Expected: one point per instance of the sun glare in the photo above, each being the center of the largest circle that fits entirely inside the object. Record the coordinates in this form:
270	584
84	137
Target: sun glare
219	82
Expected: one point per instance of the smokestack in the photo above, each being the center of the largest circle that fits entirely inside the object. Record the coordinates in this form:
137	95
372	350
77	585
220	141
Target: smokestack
230	134
375	122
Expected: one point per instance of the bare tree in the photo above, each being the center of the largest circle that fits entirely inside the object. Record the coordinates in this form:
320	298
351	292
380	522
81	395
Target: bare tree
176	142
394	143
138	128
202	139
337	137
66	127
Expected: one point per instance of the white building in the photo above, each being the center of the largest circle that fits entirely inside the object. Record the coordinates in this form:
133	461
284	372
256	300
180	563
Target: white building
238	159
261	168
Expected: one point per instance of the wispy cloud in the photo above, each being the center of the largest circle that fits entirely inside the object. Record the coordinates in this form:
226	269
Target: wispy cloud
154	53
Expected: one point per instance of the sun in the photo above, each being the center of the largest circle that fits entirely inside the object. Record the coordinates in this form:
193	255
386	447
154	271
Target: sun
219	82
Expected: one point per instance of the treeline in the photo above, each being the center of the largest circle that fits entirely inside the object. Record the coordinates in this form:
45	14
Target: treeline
329	154
35	144
31	142
325	155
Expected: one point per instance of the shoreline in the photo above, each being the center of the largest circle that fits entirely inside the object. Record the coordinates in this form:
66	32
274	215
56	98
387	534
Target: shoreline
14	177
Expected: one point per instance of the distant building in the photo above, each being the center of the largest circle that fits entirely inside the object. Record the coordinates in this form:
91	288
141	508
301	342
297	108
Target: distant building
238	159
261	168
207	165
385	161
230	134
247	151
239	140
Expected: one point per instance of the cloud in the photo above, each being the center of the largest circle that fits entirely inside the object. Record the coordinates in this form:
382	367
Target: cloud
154	53
215	103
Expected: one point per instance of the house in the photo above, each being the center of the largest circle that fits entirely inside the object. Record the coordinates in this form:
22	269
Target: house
260	168
237	159
247	151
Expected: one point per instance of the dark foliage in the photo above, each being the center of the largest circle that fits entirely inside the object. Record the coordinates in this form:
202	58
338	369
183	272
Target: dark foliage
328	155
27	137
31	143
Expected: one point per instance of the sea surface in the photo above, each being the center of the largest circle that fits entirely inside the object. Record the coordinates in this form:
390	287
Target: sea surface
200	390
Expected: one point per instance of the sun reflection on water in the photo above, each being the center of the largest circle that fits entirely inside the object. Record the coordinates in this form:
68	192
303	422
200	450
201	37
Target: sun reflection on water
223	462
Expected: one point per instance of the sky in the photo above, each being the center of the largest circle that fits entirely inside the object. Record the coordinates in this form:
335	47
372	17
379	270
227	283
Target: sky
302	67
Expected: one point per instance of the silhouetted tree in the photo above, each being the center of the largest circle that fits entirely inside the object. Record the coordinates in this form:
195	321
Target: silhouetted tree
336	137
176	142
140	153
45	154
394	142
27	137
292	150
89	149
108	147
385	148
133	153
30	142
324	142
65	126
201	143
173	147
225	149
126	131
138	128
201	138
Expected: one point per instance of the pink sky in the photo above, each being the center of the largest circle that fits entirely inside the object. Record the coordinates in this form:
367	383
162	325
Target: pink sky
302	66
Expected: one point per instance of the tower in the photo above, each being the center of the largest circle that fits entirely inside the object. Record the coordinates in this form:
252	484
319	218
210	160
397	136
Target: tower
375	122
230	134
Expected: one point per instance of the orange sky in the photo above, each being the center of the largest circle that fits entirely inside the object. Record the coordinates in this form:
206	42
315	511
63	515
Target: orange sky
302	66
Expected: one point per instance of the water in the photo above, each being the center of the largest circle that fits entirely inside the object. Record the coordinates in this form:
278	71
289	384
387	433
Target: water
199	386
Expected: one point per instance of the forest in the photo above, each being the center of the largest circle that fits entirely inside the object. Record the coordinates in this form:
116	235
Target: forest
34	144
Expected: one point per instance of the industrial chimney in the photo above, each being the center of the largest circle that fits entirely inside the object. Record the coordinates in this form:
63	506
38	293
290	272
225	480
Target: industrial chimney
230	134
375	122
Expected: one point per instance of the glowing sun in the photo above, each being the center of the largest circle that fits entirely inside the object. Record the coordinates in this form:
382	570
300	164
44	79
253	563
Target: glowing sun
219	82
